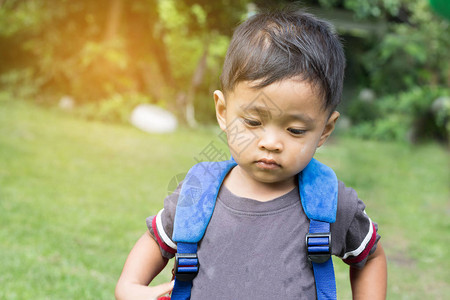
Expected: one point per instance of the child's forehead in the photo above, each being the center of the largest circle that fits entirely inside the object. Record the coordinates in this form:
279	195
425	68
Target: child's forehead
268	96
278	98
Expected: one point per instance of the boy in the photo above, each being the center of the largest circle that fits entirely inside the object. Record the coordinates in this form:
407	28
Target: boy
282	80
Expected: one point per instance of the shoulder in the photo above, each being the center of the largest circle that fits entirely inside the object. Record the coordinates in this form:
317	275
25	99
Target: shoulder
347	200
346	193
349	206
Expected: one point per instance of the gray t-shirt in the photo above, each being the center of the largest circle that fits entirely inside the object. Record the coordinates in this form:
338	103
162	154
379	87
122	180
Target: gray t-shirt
256	250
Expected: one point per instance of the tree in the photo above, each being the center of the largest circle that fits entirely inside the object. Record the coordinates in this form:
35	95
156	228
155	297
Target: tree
198	29
162	48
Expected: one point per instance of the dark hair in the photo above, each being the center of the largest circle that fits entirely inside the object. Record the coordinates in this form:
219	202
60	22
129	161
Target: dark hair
273	46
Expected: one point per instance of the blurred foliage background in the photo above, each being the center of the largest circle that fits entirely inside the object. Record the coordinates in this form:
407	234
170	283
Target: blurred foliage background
110	55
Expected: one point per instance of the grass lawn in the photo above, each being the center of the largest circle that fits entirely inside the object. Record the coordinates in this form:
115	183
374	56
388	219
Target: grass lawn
74	196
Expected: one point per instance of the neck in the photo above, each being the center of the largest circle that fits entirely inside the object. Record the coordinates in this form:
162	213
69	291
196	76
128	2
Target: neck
242	185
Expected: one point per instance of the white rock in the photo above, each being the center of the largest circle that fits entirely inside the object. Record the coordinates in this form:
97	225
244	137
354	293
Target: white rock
153	119
66	103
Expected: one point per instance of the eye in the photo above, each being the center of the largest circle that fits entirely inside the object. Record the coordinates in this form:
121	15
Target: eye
295	131
252	123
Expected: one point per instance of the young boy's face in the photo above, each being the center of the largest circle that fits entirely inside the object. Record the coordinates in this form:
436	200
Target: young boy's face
273	132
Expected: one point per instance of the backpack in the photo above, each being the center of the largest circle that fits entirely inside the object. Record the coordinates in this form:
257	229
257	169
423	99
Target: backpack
318	188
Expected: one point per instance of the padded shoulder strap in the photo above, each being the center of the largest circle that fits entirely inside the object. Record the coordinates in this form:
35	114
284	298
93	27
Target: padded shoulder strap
197	199
318	192
318	187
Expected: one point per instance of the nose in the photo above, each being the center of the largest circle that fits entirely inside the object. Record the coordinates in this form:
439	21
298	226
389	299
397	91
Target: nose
270	140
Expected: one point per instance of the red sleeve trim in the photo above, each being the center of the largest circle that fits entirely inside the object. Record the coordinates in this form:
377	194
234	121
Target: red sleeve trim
365	253
160	241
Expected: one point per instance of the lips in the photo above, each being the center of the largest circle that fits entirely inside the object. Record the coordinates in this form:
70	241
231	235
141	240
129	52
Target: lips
266	163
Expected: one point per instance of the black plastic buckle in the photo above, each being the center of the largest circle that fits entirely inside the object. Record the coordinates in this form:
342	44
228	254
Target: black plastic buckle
186	266
318	250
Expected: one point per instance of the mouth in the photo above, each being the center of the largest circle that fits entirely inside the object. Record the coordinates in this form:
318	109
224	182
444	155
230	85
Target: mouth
268	164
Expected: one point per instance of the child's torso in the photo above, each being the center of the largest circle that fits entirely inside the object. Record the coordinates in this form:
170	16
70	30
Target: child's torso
255	250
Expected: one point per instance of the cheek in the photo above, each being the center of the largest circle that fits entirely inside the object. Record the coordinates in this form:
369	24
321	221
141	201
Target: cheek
305	149
306	146
305	153
239	138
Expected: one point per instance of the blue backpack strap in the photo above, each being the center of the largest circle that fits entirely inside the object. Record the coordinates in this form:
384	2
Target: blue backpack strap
186	268
195	207
318	192
318	242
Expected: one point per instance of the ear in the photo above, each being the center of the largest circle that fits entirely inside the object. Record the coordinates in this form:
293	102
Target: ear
329	127
221	109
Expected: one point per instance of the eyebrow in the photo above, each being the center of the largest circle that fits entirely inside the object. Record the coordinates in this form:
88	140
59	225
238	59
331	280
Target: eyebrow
262	111
301	117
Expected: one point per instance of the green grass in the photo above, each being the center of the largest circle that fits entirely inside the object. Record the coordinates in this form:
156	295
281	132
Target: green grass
74	196
406	192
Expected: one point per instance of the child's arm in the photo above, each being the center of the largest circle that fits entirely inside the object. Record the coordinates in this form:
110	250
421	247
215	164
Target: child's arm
370	282
143	263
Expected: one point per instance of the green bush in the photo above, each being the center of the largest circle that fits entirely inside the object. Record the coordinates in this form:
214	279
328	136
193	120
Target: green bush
418	114
413	52
21	83
360	111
